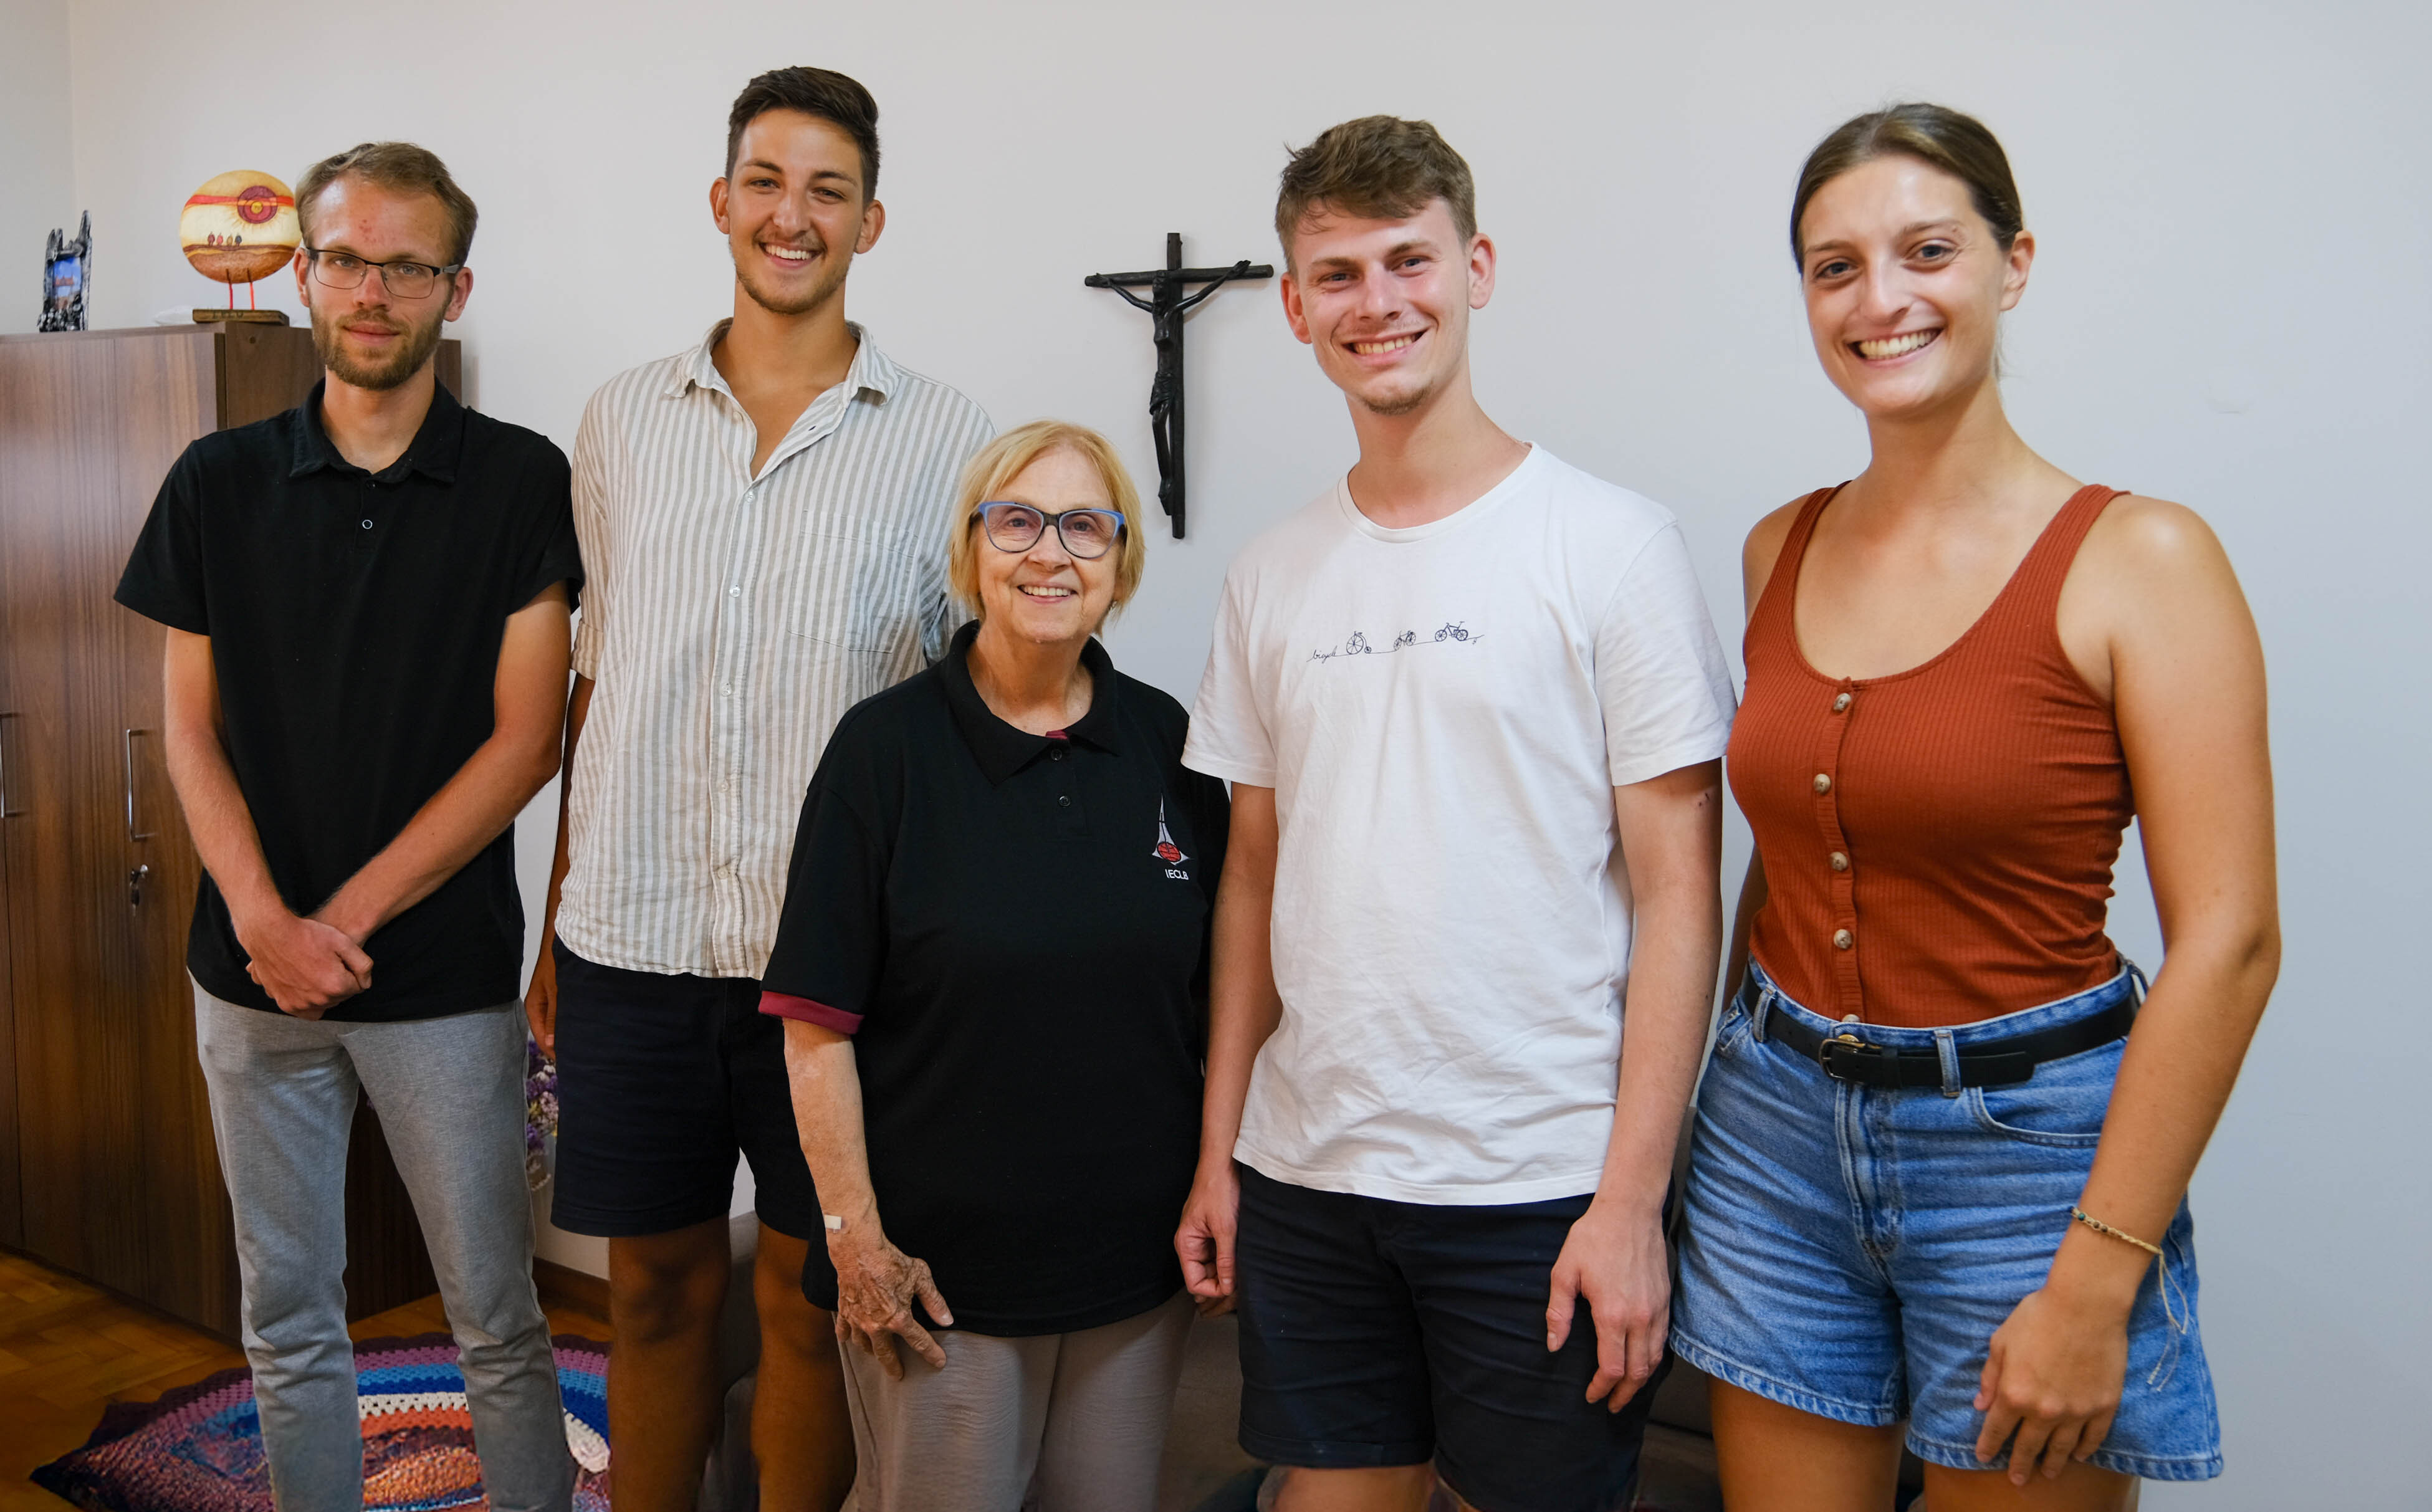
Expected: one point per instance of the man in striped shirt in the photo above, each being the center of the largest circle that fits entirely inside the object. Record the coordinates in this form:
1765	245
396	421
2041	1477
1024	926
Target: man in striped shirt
764	523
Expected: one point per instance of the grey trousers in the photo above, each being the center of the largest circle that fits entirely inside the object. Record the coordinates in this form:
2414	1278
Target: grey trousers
1063	1423
449	1093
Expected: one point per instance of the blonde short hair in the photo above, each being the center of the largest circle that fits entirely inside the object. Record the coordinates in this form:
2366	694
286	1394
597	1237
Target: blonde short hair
1001	460
400	167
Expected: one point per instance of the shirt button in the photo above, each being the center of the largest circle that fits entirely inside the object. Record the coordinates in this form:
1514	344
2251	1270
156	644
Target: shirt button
1065	801
1055	755
1840	862
734	591
367	525
726	687
1841	704
1823	784
1843	939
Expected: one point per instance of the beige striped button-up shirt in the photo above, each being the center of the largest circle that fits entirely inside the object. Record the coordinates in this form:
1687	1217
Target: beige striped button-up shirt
728	622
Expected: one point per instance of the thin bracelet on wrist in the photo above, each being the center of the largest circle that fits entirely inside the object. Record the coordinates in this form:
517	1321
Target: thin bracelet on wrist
2108	1232
2171	1314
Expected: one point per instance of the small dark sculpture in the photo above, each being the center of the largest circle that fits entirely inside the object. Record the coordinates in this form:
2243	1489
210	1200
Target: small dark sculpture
1167	305
67	267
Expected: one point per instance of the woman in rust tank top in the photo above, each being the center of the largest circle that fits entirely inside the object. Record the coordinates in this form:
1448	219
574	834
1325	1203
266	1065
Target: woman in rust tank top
1941	1156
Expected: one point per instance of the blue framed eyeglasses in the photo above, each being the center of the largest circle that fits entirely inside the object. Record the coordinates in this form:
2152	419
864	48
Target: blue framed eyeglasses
1086	533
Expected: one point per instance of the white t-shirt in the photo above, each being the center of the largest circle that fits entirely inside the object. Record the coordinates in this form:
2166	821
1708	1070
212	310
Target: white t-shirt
1443	713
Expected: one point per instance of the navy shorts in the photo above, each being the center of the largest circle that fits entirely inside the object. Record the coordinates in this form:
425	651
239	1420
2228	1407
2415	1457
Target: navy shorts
1378	1333
661	1081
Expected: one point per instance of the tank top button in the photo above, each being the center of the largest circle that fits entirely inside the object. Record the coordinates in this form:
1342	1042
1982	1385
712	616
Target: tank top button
1841	704
1840	862
1823	784
1843	939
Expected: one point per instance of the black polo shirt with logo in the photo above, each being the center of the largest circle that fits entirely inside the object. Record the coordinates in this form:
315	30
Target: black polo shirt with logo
1014	929
355	621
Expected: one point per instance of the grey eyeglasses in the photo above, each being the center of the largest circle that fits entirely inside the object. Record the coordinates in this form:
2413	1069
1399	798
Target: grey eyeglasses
403	280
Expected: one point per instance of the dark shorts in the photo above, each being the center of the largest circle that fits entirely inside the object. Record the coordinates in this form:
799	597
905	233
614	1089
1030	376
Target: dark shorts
1378	1333
661	1081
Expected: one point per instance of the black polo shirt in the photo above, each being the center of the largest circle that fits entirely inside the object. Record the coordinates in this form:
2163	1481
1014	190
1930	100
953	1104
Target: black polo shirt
355	621
1014	929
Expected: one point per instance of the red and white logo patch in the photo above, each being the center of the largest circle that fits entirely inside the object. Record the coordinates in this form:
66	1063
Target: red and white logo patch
1166	850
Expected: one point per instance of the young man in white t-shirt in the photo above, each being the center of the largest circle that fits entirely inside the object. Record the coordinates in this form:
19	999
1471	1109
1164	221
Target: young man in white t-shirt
1473	708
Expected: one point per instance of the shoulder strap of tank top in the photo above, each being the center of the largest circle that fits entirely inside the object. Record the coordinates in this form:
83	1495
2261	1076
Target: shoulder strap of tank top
2040	576
1781	584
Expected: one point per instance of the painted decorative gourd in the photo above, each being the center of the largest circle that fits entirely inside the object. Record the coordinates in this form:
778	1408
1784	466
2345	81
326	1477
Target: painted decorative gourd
240	227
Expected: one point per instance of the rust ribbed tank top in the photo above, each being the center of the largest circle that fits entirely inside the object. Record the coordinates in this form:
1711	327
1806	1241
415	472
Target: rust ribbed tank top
1937	843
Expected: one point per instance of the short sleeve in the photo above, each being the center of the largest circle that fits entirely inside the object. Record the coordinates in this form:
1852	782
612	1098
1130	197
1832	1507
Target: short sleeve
831	943
548	549
1229	736
1660	673
163	579
589	516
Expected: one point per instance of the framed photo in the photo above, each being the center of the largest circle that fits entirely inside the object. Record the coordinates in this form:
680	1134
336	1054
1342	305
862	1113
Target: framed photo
67	268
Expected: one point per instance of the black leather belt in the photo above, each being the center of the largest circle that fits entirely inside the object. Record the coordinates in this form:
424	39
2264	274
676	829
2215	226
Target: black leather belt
1995	1063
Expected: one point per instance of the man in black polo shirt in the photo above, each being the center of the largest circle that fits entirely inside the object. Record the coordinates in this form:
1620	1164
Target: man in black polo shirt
367	600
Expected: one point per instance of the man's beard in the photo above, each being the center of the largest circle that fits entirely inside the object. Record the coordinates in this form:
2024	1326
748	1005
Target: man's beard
384	372
1400	404
831	280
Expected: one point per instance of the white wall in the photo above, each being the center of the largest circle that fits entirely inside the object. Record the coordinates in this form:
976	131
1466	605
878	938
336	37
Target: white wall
36	174
2235	208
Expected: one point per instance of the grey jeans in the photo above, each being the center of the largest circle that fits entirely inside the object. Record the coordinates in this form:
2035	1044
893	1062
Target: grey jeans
1060	1422
449	1093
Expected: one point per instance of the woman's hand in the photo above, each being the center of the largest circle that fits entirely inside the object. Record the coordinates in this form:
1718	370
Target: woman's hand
876	1286
2054	1376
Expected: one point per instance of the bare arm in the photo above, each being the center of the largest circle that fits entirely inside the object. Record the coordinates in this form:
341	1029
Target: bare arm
2189	695
483	796
876	1282
1757	558
1243	1010
1671	837
540	998
306	966
1753	893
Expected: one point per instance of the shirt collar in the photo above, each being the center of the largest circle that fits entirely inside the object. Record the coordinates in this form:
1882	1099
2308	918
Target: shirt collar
871	370
1000	749
437	447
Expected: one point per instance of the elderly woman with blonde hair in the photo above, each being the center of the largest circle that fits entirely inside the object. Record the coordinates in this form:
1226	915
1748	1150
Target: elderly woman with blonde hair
993	966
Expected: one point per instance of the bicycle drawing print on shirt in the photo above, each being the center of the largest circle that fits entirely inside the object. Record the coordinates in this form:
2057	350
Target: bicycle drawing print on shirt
1452	633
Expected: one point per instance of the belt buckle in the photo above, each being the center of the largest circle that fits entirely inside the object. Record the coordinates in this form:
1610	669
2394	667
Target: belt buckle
1849	1045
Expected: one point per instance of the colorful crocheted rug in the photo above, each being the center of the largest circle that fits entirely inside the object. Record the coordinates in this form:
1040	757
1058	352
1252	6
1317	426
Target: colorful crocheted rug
198	1448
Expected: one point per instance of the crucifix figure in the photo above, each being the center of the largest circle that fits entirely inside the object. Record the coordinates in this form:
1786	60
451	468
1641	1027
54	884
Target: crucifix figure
1167	305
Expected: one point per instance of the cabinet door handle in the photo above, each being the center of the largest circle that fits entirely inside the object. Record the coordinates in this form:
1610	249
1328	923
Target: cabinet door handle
5	811
127	745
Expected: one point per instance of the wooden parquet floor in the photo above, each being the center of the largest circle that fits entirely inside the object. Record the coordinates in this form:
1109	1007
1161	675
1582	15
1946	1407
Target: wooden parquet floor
69	1349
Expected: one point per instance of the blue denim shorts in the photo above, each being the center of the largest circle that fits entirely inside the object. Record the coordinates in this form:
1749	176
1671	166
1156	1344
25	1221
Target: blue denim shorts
1849	1250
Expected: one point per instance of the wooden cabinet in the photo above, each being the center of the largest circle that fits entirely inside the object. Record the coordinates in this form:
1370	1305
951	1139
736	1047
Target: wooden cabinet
107	1162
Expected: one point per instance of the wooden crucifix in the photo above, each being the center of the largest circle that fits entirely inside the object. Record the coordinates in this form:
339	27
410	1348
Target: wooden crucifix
1167	305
